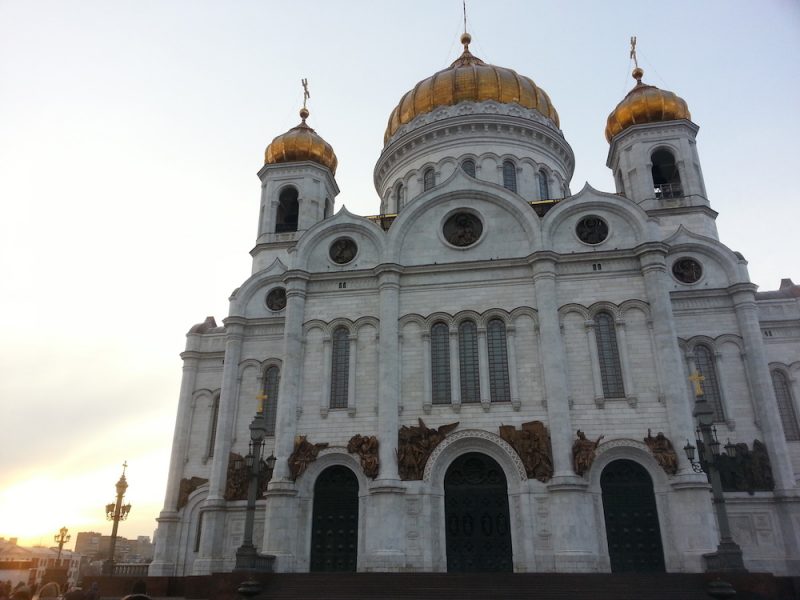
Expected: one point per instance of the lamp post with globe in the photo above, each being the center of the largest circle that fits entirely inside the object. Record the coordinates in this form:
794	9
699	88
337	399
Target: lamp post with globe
116	512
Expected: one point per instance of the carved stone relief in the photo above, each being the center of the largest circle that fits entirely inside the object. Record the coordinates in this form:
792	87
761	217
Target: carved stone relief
532	443
239	478
303	455
366	446
415	444
583	451
186	488
663	452
750	471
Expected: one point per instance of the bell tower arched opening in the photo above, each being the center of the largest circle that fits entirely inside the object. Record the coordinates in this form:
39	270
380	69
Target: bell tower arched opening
666	178
288	211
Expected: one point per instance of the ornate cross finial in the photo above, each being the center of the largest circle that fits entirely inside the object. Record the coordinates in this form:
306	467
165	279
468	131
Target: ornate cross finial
464	3
696	379
262	398
633	51
306	95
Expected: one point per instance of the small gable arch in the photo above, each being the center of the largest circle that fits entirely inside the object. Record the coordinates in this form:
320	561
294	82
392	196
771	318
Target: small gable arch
343	223
568	309
629	449
329	457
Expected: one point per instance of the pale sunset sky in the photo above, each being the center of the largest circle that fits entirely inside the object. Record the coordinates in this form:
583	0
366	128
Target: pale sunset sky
131	132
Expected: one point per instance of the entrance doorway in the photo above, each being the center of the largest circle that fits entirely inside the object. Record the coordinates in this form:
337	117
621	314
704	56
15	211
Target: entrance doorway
334	529
476	516
629	507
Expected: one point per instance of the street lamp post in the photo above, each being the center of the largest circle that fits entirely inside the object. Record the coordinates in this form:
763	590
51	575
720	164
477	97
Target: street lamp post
728	556
116	512
61	538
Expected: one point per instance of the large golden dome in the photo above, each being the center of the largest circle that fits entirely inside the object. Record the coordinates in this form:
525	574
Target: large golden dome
301	143
470	79
645	104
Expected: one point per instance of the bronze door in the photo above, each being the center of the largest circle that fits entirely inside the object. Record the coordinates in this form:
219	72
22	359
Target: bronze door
629	506
476	516
334	530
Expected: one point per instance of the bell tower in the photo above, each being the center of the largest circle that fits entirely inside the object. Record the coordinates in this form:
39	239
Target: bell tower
653	155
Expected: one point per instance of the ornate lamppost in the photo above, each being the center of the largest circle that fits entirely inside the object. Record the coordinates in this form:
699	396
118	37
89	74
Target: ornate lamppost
116	512
728	556
61	538
247	558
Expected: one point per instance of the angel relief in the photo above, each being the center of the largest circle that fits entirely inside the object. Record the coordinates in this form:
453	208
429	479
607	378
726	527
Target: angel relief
416	442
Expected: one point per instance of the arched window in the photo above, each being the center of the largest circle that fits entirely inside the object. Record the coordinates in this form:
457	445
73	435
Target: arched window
544	186
704	362
468	166
498	361
440	363
328	208
428	179
271	378
608	356
666	178
398	196
509	176
212	428
340	367
469	368
783	393
288	211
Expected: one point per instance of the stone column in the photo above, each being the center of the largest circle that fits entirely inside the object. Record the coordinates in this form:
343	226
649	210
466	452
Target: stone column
485	394
325	399
210	557
625	363
755	361
597	380
427	383
164	560
385	510
352	360
455	372
511	350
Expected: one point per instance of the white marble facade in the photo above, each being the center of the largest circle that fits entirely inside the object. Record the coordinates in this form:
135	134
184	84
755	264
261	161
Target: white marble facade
546	286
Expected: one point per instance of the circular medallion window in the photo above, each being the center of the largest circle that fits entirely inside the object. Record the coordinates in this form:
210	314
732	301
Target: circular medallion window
687	270
462	229
276	299
592	230
343	250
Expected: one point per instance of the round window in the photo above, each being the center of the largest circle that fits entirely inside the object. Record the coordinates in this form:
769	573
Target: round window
276	299
592	230
343	250
462	229
687	270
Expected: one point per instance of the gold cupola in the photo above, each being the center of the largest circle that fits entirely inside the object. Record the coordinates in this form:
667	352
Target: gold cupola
301	143
645	104
469	79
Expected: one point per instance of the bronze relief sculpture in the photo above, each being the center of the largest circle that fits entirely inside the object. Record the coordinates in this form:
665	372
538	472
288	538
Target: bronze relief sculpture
662	451
303	455
415	444
186	488
366	446
583	451
532	443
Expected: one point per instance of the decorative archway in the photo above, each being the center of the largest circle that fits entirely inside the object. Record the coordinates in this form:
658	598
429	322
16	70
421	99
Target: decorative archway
631	518
478	526
334	528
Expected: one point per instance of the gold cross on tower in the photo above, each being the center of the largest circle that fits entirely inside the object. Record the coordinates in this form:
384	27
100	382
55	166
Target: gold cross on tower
306	94
633	51
696	379
262	398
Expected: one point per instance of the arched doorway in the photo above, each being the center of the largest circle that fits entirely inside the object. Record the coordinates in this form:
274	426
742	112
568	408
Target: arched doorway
631	515
334	528
476	515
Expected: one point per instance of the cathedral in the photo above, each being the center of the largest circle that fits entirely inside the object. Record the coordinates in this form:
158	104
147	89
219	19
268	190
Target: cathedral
496	372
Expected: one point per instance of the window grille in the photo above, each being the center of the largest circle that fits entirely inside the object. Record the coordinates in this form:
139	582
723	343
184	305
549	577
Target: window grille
340	367
783	394
469	369
398	193
468	167
440	363
509	176
608	356
704	362
544	187
428	179
498	362
212	434
271	379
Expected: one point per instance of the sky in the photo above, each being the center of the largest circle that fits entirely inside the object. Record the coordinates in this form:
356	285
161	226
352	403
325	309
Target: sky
131	132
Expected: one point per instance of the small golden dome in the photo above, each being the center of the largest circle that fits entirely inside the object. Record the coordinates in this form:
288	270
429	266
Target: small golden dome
301	143
645	104
469	79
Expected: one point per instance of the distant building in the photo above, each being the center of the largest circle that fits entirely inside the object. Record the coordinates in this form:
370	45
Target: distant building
28	564
96	546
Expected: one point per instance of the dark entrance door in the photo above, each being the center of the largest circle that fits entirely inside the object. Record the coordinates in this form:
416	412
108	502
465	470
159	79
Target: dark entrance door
334	529
476	516
629	505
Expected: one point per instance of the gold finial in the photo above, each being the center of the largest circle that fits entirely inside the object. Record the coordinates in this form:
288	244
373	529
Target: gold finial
696	379
262	397
464	3
637	72
306	95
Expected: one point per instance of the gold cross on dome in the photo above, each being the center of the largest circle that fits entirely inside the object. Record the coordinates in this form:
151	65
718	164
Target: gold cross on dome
696	379
306	94
633	51
262	397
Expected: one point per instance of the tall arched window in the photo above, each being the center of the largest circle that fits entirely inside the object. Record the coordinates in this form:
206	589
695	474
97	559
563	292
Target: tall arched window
271	378
288	211
666	178
398	196
440	363
509	176
544	186
704	362
608	356
469	368
468	166
498	361
340	367
783	393
428	179
212	426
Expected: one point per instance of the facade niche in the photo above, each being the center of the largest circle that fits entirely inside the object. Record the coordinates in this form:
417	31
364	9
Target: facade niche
288	211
